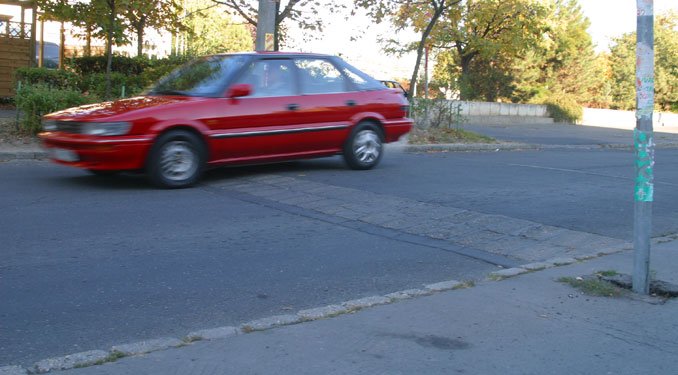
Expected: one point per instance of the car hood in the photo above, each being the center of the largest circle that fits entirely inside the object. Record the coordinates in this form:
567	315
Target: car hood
119	110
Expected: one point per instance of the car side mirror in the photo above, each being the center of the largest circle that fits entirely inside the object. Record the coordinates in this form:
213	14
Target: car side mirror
239	90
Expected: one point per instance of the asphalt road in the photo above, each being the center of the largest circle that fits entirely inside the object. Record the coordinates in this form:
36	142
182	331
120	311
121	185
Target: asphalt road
92	262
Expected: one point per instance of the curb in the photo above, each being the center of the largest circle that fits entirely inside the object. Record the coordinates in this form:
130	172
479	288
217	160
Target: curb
40	154
494	147
116	352
23	155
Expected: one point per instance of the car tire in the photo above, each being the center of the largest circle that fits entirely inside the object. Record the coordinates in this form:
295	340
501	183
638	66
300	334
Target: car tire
364	147
176	160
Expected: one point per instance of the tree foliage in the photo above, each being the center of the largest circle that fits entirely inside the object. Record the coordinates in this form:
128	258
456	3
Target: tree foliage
157	14
622	65
483	38
209	31
420	15
304	13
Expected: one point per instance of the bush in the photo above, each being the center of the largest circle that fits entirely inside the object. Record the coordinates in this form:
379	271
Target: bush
436	113
159	69
60	79
37	100
564	108
95	84
134	73
97	64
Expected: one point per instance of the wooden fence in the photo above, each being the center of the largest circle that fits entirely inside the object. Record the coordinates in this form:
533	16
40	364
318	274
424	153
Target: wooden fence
14	53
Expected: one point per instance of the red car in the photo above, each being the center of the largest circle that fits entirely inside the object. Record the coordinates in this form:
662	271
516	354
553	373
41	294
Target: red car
242	108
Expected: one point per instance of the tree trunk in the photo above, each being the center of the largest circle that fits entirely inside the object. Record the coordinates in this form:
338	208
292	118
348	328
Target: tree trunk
439	8
88	41
464	88
141	25
276	34
140	42
109	46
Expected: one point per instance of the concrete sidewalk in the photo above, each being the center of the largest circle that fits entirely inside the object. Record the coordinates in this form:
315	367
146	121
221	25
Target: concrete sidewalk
526	324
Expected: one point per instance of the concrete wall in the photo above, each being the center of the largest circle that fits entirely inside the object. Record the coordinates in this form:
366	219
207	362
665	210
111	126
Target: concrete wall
491	113
501	109
608	118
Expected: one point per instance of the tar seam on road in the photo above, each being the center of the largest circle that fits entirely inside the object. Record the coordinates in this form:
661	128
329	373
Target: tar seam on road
584	172
372	229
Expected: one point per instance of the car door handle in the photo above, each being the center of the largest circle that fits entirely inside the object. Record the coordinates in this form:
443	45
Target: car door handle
293	107
350	103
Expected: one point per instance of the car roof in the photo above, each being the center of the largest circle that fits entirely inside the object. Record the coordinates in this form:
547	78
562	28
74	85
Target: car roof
279	54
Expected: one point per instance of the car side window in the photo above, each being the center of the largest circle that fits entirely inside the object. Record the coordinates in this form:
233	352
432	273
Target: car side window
270	78
319	76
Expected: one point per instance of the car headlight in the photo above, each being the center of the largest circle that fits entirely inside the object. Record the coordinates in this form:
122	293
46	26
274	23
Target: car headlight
49	125
106	128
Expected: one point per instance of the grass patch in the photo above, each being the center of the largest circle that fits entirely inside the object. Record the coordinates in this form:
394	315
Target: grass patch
191	339
114	356
446	135
609	273
593	287
465	285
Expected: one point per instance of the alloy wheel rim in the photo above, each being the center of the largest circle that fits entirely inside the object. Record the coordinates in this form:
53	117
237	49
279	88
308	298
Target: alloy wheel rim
367	146
178	161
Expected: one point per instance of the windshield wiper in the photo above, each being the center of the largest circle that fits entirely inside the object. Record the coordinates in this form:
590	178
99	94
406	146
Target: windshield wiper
169	92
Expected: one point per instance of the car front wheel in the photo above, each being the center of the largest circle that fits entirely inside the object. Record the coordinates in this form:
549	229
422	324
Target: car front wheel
176	160
364	148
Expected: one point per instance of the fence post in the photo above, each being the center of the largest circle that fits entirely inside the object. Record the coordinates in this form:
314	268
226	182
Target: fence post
16	120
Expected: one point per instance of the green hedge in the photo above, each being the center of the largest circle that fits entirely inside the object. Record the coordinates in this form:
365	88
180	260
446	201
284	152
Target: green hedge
97	64
61	79
95	84
47	90
564	108
37	100
135	74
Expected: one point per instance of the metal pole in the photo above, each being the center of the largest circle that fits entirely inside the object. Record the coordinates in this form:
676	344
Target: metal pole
265	26
644	146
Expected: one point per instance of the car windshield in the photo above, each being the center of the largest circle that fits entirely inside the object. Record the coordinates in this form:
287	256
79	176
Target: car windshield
203	77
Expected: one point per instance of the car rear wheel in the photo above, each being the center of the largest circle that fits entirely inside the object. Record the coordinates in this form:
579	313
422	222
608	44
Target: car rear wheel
364	148
176	160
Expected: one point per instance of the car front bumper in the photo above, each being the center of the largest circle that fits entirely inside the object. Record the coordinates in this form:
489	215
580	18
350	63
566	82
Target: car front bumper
97	153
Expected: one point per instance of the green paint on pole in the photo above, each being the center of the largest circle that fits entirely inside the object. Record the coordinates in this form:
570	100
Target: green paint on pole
644	146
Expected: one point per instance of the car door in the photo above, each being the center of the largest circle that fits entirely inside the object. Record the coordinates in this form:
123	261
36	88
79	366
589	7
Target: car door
261	125
328	104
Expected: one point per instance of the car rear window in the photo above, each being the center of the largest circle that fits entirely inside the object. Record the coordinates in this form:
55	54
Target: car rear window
361	80
319	76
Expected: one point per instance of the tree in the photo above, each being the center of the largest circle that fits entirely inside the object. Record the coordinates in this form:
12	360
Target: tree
208	31
88	21
622	65
110	25
520	50
302	12
113	28
422	16
570	65
157	14
491	34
